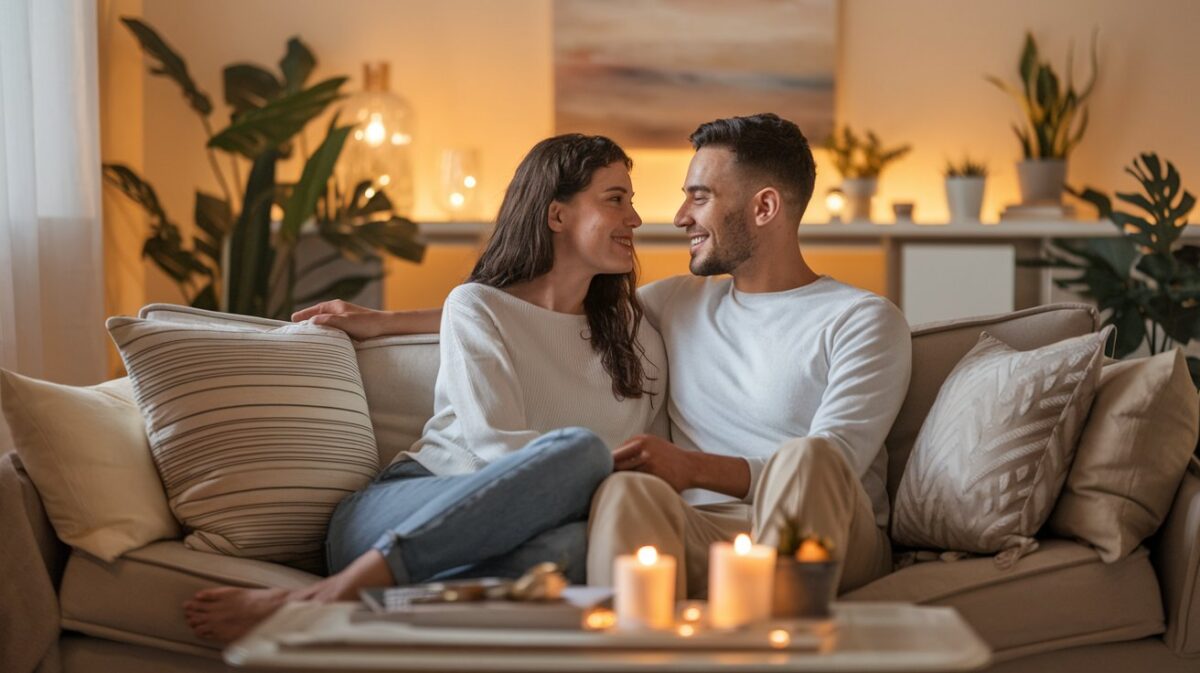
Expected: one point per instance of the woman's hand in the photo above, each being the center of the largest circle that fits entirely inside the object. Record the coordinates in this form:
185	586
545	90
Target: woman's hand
357	321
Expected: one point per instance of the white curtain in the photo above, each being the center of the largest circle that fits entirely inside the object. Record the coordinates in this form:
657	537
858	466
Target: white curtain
51	275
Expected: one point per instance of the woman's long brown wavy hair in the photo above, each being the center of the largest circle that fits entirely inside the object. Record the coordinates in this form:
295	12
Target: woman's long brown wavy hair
522	248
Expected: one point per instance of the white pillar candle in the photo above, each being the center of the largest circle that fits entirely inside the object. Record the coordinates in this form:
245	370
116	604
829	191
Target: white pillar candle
740	583
645	590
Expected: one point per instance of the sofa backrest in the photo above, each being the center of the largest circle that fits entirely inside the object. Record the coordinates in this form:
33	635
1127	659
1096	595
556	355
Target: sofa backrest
398	373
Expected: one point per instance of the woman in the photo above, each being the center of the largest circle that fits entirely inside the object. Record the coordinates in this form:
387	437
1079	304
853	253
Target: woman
546	339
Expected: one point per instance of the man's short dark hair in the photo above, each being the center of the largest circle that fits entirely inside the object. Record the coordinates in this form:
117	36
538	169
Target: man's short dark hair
769	146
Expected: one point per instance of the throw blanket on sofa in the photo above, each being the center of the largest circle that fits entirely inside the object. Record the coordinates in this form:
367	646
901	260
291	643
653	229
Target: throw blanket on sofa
29	617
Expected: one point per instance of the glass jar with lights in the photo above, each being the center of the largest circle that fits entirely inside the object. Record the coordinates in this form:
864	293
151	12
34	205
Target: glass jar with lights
379	149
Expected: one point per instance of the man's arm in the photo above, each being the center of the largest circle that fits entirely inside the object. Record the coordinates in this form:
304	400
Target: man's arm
684	469
364	323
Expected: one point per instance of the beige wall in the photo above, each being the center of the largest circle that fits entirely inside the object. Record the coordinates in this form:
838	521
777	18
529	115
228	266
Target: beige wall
478	73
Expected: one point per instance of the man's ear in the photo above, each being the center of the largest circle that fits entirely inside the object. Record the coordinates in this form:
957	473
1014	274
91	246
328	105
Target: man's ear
767	204
555	215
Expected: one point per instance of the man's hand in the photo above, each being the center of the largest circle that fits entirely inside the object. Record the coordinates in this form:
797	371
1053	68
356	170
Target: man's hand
657	456
357	321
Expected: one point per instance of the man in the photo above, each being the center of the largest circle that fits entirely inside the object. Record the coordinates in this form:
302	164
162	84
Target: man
783	383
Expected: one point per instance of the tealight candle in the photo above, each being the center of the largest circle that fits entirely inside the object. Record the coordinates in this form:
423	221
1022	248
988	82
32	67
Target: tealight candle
740	579
645	590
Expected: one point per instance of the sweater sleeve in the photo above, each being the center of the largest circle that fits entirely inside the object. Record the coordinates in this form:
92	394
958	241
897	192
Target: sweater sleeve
870	362
478	380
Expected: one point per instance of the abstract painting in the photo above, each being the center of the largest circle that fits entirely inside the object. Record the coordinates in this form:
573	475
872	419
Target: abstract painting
647	72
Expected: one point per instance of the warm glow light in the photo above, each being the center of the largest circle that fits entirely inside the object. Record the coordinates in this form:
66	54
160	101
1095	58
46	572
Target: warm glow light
741	545
686	630
457	200
691	614
376	132
369	193
400	139
600	619
835	201
647	556
469	182
779	638
385	179
358	135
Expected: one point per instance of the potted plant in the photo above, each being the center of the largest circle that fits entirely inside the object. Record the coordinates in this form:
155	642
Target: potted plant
241	259
964	189
805	573
1146	281
860	161
1055	118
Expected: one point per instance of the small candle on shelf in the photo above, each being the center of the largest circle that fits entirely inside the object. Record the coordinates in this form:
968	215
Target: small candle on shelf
645	590
740	579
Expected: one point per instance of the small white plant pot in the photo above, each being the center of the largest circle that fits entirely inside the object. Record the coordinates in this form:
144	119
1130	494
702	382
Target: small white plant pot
859	193
1042	180
964	197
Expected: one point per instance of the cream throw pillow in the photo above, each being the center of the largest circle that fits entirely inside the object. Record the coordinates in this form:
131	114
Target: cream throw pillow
86	451
1132	455
257	434
994	452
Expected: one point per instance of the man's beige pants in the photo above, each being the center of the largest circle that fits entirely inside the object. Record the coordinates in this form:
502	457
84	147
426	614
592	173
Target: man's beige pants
807	479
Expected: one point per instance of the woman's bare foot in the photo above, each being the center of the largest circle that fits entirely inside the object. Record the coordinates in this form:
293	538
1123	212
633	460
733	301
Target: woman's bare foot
224	614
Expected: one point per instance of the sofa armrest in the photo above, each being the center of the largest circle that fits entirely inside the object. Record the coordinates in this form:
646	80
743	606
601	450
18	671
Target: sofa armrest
31	563
1176	555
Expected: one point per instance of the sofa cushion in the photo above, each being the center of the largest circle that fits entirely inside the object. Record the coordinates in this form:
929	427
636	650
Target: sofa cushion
256	435
994	452
1061	595
87	453
937	347
140	596
398	374
1131	456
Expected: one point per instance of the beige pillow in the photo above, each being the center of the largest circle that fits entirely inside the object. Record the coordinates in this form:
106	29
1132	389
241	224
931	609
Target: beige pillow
994	452
257	434
86	451
1132	455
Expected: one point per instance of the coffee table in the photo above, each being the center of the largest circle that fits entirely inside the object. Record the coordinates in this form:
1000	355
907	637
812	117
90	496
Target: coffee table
867	637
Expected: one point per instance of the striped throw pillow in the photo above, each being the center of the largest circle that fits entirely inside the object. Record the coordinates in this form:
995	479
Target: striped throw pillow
256	434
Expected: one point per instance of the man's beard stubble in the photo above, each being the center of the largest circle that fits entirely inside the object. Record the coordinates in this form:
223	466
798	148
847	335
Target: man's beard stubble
736	245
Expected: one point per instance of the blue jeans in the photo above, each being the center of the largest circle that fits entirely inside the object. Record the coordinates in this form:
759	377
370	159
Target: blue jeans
528	507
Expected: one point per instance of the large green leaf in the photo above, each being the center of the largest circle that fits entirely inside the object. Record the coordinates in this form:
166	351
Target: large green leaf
249	87
1131	331
269	127
138	190
214	220
297	65
312	183
170	64
250	255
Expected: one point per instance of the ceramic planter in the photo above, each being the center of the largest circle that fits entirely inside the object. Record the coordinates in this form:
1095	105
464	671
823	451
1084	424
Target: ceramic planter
1042	180
803	589
859	192
964	196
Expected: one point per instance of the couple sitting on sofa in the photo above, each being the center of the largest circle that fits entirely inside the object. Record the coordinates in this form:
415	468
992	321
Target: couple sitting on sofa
783	385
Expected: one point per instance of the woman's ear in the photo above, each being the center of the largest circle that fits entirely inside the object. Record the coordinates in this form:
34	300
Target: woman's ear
767	204
555	215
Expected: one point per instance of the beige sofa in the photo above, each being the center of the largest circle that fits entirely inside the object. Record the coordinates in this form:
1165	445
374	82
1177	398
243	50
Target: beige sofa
1058	609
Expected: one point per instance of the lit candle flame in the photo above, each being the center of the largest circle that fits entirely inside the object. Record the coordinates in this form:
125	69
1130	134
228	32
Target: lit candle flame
600	619
741	545
779	638
647	556
691	614
686	630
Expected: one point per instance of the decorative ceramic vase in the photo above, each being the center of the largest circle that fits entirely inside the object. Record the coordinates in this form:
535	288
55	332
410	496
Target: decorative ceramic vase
859	192
1042	180
964	196
803	588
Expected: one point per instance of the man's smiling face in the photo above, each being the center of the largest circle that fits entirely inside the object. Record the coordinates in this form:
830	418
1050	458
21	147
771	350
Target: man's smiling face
715	213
